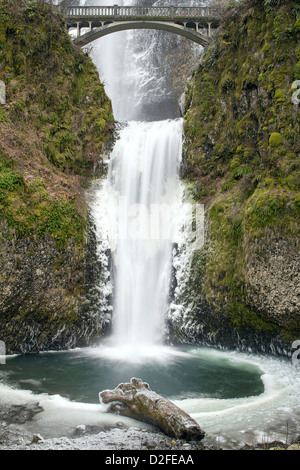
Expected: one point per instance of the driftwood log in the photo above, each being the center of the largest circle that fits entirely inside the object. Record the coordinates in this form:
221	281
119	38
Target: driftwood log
136	400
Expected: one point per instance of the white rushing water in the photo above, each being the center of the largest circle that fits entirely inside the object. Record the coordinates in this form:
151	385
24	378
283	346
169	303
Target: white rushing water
140	201
143	179
136	70
117	66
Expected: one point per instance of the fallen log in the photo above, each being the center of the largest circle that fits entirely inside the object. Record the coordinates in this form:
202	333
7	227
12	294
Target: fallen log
136	400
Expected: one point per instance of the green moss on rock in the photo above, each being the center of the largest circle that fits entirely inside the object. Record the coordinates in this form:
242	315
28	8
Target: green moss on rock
56	122
275	139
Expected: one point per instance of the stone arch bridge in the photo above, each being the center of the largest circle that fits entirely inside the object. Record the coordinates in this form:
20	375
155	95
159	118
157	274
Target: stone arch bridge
194	23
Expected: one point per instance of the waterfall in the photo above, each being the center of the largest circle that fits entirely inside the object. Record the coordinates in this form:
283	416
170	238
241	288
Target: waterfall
143	186
117	66
139	203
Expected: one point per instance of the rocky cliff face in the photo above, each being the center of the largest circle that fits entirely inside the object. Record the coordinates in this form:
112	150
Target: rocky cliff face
56	121
242	162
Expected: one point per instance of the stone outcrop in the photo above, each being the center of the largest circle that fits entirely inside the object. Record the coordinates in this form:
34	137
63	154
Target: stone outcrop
47	295
136	400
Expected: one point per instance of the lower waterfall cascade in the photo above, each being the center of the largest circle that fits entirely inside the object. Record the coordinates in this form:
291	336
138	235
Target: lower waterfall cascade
143	187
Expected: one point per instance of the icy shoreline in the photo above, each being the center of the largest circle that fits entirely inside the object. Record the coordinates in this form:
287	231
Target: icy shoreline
116	439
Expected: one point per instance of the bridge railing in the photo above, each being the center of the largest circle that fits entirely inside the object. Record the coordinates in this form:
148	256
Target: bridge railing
135	12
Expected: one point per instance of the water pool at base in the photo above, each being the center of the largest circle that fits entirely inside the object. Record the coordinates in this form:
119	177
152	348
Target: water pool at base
185	372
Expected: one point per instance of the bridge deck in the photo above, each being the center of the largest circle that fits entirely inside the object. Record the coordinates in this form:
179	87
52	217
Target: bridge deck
119	13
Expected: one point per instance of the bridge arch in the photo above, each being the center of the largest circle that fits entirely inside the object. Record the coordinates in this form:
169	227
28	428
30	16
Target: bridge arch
194	23
188	31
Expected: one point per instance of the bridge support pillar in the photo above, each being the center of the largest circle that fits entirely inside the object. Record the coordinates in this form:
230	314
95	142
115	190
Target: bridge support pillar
78	29
209	30
115	12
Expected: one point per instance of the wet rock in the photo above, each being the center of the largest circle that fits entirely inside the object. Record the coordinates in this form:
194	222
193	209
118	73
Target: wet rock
19	414
149	444
81	428
53	310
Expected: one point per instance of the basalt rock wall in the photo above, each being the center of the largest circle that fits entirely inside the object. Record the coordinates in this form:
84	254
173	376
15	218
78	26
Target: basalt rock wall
242	163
